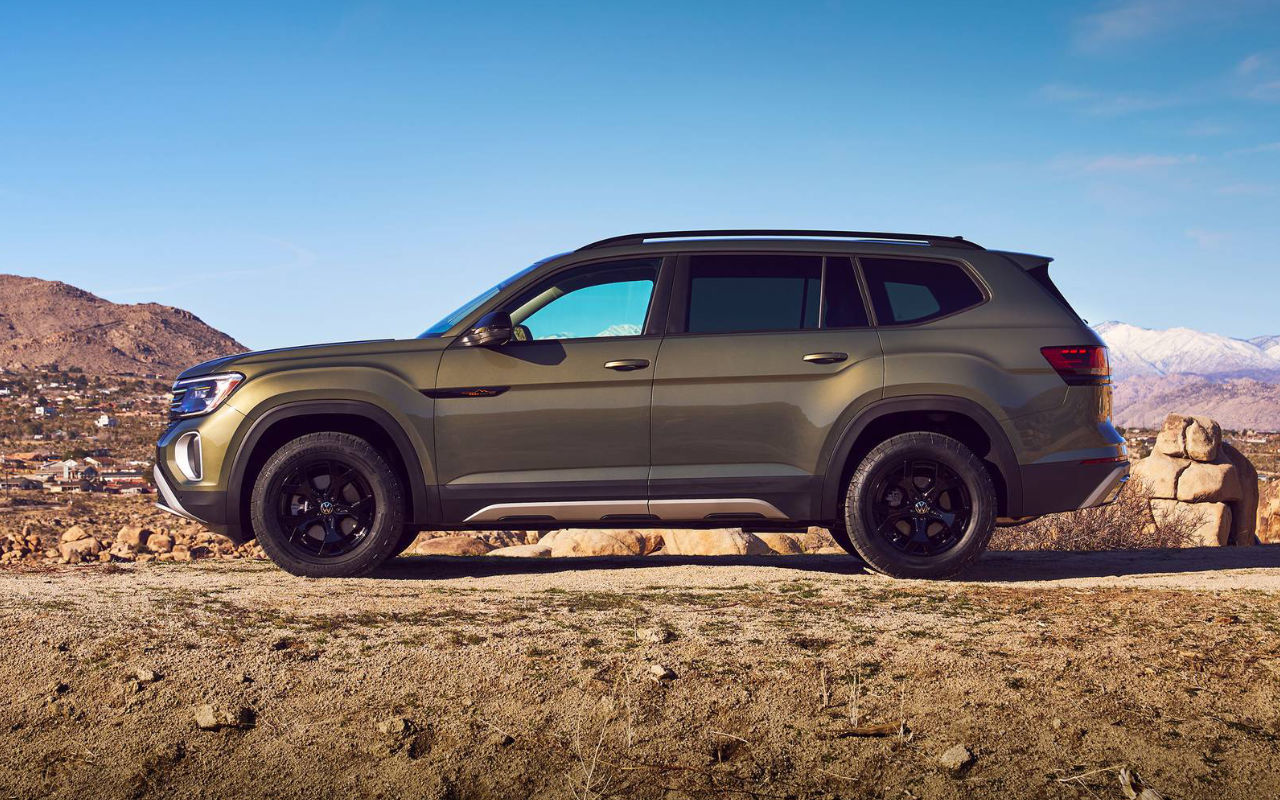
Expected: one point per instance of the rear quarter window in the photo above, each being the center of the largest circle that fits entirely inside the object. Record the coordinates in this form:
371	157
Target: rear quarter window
907	291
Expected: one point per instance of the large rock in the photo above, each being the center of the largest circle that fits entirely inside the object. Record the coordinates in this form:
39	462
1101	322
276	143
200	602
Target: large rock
731	542
451	546
1158	475
1244	511
523	551
784	544
134	536
583	542
159	543
74	534
78	550
1170	440
1208	483
1214	520
1202	438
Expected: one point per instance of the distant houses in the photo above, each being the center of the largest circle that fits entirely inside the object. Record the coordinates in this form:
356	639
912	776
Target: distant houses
69	475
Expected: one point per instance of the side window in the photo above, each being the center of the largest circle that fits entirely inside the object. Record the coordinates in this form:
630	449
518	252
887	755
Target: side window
905	291
753	293
610	299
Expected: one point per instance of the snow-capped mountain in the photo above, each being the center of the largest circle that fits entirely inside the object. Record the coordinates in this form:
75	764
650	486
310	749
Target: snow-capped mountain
1135	351
1154	372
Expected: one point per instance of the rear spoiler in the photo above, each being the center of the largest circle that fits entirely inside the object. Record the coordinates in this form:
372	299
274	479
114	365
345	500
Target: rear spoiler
1027	261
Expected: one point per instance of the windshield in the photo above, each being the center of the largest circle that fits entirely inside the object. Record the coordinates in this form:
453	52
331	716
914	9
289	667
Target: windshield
467	308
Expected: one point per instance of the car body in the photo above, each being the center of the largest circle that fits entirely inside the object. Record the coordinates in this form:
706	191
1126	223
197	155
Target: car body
741	379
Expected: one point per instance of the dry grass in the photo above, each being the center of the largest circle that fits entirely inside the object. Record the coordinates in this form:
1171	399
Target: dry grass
1126	524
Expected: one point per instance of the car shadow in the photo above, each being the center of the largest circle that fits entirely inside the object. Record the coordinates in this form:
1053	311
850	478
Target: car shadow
1016	566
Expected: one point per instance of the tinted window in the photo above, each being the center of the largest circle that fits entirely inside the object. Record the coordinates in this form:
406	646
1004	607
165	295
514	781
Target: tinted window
600	300
753	293
905	291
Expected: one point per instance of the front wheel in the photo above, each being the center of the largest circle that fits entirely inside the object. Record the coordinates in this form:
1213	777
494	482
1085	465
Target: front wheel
328	505
920	505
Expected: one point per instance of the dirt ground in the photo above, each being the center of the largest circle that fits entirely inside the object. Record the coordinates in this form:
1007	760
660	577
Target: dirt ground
538	678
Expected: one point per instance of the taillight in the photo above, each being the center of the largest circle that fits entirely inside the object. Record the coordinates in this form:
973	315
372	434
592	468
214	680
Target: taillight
1080	365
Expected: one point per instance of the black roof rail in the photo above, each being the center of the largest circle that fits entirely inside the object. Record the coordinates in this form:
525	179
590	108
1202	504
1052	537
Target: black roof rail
917	238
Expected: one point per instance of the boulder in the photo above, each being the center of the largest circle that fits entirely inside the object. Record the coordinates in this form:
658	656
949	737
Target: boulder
74	534
159	543
1170	440
135	536
784	544
78	550
1209	483
1202	439
1158	474
730	542
1214	528
523	551
451	546
181	552
591	542
1244	511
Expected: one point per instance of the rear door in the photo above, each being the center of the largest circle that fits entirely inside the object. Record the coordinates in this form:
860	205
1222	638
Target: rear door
767	355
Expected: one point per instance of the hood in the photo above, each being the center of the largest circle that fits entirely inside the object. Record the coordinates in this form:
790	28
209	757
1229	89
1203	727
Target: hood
237	363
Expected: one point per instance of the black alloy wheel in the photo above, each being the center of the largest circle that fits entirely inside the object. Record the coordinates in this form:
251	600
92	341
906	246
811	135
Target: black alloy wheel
921	508
326	507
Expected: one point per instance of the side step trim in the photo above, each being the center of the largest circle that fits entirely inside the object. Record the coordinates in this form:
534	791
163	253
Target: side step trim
596	510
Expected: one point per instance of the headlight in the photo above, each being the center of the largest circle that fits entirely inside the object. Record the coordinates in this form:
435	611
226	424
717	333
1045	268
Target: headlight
195	396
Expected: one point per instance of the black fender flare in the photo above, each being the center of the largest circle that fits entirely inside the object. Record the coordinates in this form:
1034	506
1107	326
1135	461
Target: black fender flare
419	502
1001	454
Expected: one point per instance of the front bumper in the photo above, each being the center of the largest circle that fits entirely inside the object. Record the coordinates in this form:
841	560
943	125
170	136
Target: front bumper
203	499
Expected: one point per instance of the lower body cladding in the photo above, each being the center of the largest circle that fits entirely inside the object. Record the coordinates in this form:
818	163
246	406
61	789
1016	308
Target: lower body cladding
1071	486
207	508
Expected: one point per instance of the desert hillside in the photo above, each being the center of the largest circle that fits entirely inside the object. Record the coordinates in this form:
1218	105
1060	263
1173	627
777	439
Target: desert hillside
50	322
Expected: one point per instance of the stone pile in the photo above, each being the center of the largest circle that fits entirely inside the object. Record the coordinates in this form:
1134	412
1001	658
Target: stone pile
1193	474
77	545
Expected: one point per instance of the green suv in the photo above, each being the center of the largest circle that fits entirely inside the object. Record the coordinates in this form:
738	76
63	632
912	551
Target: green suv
907	392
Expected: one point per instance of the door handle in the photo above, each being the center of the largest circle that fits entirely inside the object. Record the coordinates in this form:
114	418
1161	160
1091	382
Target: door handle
825	358
627	364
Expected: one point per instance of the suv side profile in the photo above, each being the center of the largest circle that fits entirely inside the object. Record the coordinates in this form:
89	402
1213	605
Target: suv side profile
907	392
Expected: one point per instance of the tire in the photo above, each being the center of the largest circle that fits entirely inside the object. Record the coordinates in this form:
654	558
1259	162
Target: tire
309	530
408	535
920	505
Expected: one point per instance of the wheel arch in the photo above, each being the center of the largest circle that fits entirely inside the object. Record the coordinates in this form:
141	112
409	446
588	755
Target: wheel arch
292	419
958	417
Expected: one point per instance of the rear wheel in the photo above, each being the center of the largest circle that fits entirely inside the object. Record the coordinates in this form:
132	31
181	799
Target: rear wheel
328	505
920	505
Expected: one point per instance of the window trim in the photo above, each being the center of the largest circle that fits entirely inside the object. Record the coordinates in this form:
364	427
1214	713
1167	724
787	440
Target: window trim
659	299
678	309
965	266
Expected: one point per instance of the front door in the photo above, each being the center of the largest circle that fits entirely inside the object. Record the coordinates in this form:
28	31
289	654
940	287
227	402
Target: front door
767	356
554	426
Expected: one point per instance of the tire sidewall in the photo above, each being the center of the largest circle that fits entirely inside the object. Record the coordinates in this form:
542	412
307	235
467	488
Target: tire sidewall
876	550
379	543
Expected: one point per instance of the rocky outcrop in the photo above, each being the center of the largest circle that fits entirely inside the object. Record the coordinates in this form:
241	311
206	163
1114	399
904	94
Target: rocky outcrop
732	542
1193	475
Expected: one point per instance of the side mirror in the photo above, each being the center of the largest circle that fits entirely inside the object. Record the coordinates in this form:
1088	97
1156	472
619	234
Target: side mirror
492	330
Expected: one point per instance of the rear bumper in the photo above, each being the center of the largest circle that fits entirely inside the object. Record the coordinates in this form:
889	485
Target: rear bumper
1070	485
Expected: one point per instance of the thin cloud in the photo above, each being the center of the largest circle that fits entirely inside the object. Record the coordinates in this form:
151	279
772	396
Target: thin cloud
1246	190
1269	147
1128	21
1252	64
1135	163
1093	101
1208	240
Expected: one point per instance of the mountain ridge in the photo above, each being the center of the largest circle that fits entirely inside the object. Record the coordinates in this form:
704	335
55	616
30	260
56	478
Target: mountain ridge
47	322
1236	381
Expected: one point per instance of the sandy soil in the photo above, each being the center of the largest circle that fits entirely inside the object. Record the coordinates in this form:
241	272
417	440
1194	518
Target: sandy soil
518	678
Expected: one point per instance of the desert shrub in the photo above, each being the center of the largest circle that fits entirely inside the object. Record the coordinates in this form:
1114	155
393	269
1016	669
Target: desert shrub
1126	524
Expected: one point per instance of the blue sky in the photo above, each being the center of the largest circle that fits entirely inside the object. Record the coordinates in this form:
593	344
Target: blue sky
300	172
